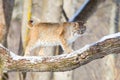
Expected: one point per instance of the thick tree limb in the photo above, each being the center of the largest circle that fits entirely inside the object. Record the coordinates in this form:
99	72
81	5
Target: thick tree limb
107	45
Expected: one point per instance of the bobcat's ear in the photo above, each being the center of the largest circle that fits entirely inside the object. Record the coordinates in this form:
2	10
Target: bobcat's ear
30	24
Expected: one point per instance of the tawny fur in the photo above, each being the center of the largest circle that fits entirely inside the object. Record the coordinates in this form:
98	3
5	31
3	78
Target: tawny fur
52	34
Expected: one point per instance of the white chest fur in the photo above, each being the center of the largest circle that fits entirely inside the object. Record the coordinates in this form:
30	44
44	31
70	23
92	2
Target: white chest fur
72	39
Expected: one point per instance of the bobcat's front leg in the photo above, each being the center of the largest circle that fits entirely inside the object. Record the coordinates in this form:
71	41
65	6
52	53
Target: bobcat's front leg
29	48
27	51
65	45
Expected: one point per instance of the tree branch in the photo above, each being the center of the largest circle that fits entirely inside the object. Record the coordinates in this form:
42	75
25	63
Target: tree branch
107	45
86	10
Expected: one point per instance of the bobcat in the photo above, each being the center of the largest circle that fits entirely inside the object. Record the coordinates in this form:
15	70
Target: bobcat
52	34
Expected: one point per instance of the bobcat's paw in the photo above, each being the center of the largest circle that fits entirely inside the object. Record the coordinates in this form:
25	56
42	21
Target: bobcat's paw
69	51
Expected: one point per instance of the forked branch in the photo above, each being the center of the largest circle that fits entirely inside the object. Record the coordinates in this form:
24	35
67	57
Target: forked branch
107	45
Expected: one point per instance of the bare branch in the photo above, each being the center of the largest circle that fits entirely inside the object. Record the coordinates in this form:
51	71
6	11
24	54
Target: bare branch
65	15
107	45
86	10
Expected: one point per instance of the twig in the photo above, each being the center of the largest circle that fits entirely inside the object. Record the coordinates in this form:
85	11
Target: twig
65	15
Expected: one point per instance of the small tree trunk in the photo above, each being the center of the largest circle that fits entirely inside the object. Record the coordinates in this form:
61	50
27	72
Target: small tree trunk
6	8
26	16
27	5
50	12
110	59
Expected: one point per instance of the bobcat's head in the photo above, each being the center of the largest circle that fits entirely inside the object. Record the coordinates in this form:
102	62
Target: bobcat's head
79	28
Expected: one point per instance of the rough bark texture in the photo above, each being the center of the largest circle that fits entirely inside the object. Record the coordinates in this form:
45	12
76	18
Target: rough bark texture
11	62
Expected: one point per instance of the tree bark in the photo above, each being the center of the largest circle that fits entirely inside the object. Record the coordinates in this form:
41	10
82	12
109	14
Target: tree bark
114	27
6	8
25	18
107	45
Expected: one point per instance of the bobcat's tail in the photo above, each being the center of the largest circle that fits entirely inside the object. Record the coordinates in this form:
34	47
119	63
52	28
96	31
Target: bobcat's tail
30	24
